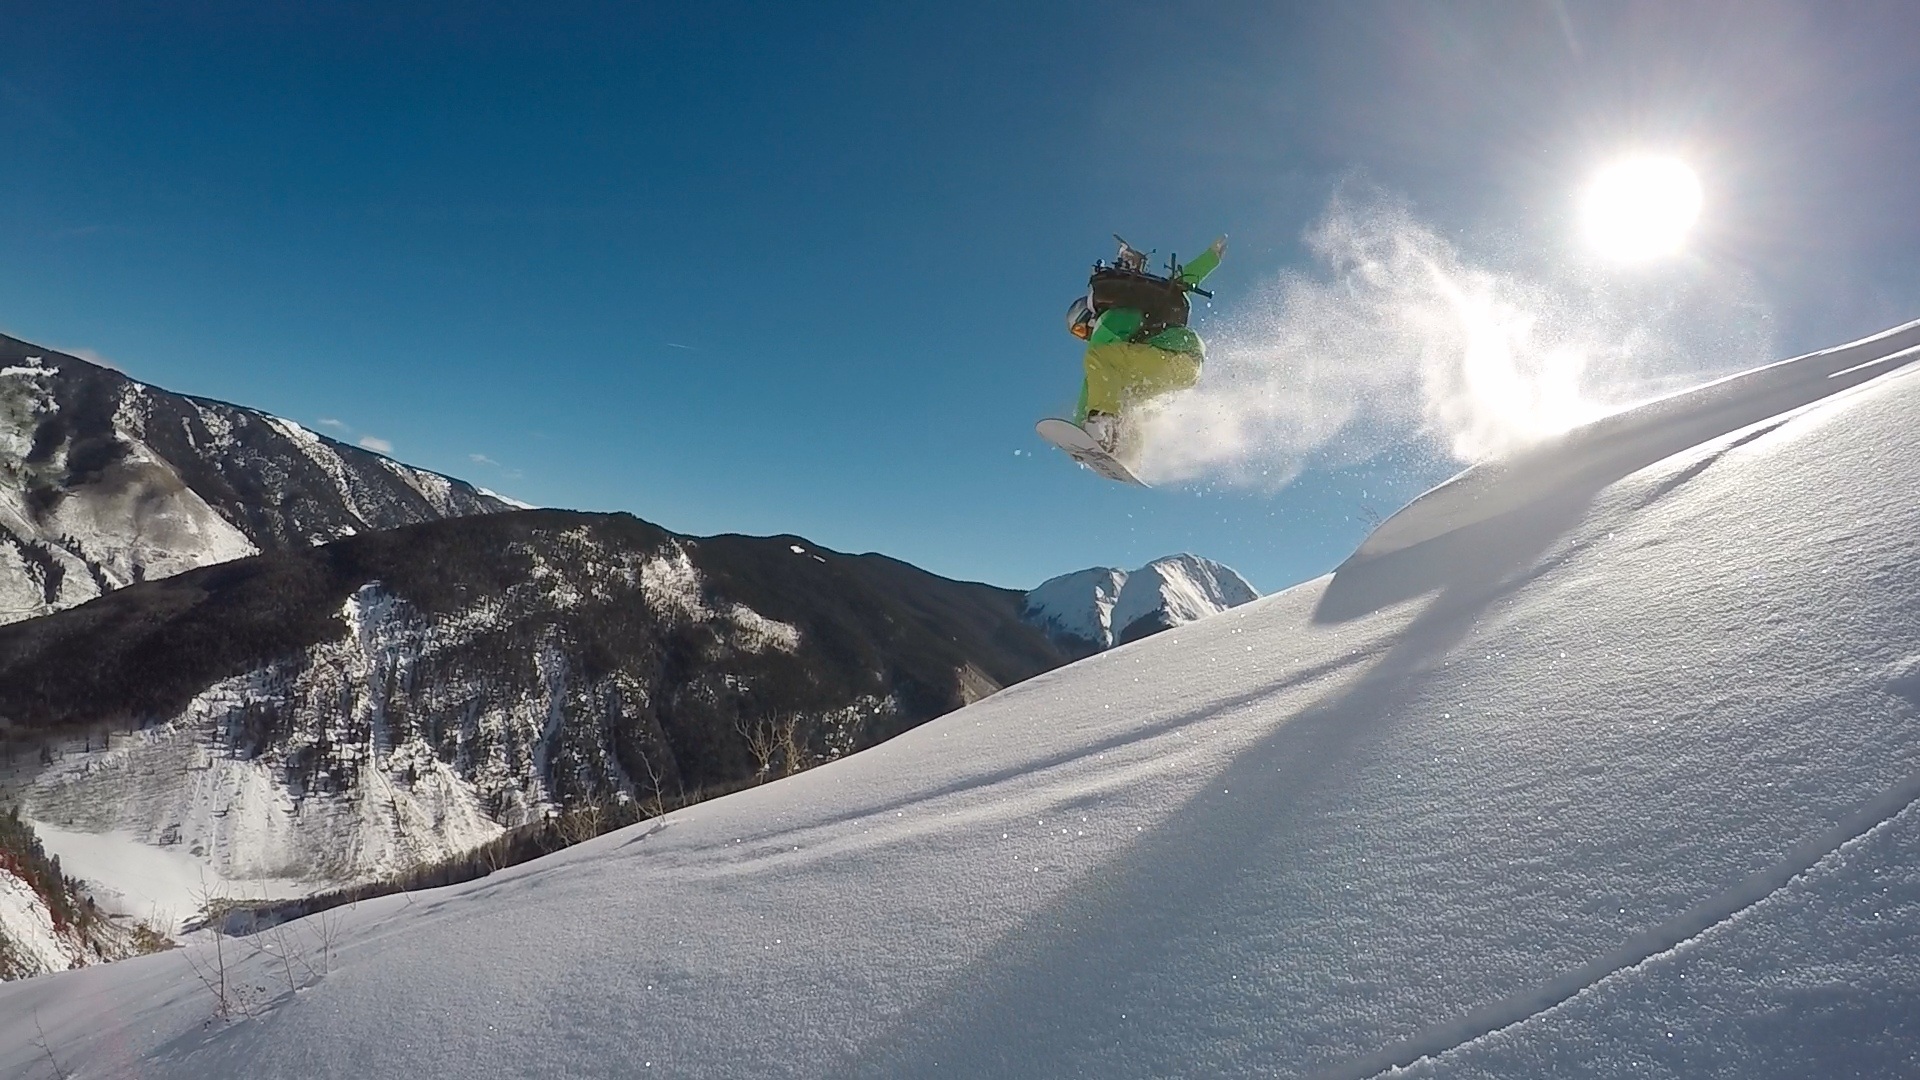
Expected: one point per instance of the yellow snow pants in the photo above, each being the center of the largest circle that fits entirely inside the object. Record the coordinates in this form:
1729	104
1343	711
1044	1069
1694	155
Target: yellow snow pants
1121	374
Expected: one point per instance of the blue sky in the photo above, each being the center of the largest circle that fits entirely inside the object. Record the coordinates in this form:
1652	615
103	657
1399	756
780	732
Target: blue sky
801	268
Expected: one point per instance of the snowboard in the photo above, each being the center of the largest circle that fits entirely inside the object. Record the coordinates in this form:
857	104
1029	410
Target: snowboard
1080	446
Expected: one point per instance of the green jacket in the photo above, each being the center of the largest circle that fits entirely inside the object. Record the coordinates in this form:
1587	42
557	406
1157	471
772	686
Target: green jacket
1121	324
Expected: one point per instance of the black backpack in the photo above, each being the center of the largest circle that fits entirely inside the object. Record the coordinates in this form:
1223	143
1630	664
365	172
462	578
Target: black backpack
1162	301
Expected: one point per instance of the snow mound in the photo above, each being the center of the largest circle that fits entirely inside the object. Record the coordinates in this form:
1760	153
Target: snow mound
1589	458
1617	783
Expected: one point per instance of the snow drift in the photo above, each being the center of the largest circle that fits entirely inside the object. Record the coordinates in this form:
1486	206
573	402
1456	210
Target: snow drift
1613	782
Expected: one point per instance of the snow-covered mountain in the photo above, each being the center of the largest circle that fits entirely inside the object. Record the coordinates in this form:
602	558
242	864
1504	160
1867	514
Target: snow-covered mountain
1100	607
1076	610
105	481
1609	769
292	722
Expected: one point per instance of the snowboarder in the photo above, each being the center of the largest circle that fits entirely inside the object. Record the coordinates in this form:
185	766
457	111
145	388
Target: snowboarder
1139	346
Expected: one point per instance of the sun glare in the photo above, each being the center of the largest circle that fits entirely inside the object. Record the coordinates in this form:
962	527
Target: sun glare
1640	208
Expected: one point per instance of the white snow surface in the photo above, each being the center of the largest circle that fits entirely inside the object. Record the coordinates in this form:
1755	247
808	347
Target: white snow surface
163	887
1618	782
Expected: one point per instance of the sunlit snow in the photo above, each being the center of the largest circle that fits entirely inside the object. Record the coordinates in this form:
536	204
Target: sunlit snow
1607	771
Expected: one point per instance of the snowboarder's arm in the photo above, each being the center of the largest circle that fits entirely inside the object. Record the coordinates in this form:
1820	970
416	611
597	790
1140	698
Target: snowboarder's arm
1116	324
1196	271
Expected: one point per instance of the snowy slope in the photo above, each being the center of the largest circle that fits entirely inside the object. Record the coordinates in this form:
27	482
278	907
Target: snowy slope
31	941
1621	782
1099	607
105	481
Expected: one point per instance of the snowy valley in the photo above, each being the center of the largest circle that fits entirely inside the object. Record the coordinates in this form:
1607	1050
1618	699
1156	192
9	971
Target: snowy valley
1598	761
352	712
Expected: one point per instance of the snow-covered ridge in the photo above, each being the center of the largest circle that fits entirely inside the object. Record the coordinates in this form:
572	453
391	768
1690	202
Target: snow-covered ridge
1174	591
105	481
1077	606
1102	606
515	503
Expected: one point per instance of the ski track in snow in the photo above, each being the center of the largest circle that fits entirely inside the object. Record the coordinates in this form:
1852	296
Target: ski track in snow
1614	778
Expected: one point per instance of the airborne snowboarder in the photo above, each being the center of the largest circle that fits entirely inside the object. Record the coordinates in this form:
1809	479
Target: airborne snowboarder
1138	347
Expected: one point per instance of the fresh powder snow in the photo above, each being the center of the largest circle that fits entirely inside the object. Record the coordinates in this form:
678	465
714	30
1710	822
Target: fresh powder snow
1615	775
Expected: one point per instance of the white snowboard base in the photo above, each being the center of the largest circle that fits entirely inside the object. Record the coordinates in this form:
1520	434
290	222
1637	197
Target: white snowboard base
1082	448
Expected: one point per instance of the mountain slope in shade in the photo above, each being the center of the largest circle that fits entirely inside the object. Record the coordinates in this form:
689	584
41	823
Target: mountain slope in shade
1094	609
1623	780
292	722
105	481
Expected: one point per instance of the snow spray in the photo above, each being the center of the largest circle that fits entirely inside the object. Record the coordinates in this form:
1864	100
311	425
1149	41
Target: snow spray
1396	341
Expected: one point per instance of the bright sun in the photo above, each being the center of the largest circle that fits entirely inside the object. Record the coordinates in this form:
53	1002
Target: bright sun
1640	208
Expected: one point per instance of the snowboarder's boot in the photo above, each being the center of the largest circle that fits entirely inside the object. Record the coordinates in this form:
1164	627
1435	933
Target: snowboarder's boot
1105	429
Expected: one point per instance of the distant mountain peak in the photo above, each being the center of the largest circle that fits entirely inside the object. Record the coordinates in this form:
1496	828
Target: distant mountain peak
1102	606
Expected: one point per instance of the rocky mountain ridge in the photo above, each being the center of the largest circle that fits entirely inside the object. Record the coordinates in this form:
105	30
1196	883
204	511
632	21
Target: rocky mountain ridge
106	481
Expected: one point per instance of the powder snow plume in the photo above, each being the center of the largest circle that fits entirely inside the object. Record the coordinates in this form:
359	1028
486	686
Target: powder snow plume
1397	339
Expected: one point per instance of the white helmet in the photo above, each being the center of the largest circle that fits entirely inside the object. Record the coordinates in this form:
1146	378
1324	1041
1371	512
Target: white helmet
1080	318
